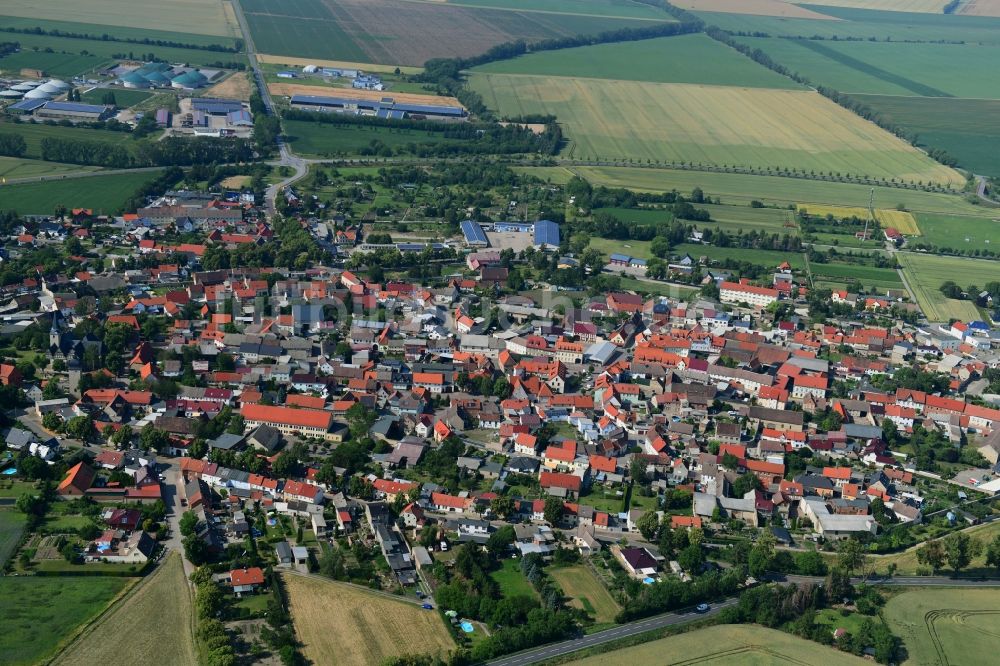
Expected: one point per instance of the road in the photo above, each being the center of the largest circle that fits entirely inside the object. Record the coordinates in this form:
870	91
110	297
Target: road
622	631
285	153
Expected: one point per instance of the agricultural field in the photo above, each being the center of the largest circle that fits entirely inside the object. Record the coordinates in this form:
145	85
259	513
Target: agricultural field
680	59
870	277
11	527
34	630
587	592
164	600
104	194
17	167
915	6
604	8
729	644
201	17
66	65
714	125
946	626
329	616
960	232
902	221
889	68
124	98
397	32
33	134
926	272
742	189
291	61
730	218
980	8
320	140
966	129
775	8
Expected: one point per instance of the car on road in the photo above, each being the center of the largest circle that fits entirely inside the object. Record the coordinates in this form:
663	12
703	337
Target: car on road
702	608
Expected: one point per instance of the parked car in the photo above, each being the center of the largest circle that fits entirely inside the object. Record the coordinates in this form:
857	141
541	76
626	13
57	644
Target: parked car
702	608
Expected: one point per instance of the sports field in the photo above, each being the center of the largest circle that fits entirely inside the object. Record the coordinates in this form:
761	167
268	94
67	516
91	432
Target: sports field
742	189
587	592
105	194
398	32
329	618
163	600
942	627
731	644
902	221
201	17
926	273
39	613
966	129
721	126
959	232
679	59
889	68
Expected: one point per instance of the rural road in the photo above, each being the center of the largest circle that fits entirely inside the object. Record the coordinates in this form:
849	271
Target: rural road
623	631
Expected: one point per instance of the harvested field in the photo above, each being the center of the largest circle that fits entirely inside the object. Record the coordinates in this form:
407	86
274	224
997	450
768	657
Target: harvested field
201	17
941	626
909	6
753	8
588	593
712	125
405	33
927	272
902	221
236	86
604	8
736	645
980	8
163	600
365	66
329	617
289	89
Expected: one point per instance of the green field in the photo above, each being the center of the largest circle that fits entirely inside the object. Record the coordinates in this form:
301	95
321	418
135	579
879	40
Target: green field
17	167
946	626
615	8
722	126
40	612
725	645
881	68
54	64
966	129
961	233
321	140
112	31
511	581
926	273
869	276
33	134
202	17
11	527
865	24
123	98
730	218
105	194
742	189
398	32
680	59
586	591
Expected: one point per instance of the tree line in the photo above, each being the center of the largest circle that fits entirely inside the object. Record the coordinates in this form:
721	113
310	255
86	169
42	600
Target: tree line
237	46
173	151
12	145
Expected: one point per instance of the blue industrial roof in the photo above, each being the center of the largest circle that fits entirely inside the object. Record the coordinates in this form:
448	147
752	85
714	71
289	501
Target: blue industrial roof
473	232
75	106
623	258
27	105
213	105
546	233
386	104
240	116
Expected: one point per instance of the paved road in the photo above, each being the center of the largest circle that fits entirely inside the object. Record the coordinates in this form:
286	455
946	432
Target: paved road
623	631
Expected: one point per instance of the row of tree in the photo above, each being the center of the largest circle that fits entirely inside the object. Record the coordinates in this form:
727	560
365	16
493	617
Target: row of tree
173	151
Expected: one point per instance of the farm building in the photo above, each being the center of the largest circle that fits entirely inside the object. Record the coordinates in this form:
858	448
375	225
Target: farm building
241	118
514	227
546	235
189	80
216	106
162	117
26	106
383	108
72	111
474	236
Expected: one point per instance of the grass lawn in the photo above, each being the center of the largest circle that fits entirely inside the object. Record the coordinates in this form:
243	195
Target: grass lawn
588	593
606	500
512	582
12	488
946	626
323	140
742	645
40	613
680	59
866	275
832	617
11	527
730	218
163	600
19	167
62	524
60	565
104	194
329	617
959	232
926	273
123	98
656	288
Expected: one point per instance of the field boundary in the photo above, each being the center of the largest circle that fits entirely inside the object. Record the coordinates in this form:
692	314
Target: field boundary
90	625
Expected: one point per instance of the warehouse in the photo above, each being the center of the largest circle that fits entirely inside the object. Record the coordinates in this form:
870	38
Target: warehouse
216	106
383	108
474	236
546	235
72	111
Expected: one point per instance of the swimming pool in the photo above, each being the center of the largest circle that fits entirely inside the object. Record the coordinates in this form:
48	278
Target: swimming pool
467	627
10	471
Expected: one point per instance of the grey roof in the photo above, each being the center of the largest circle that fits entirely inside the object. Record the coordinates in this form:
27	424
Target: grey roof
547	233
283	551
226	441
76	107
473	232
